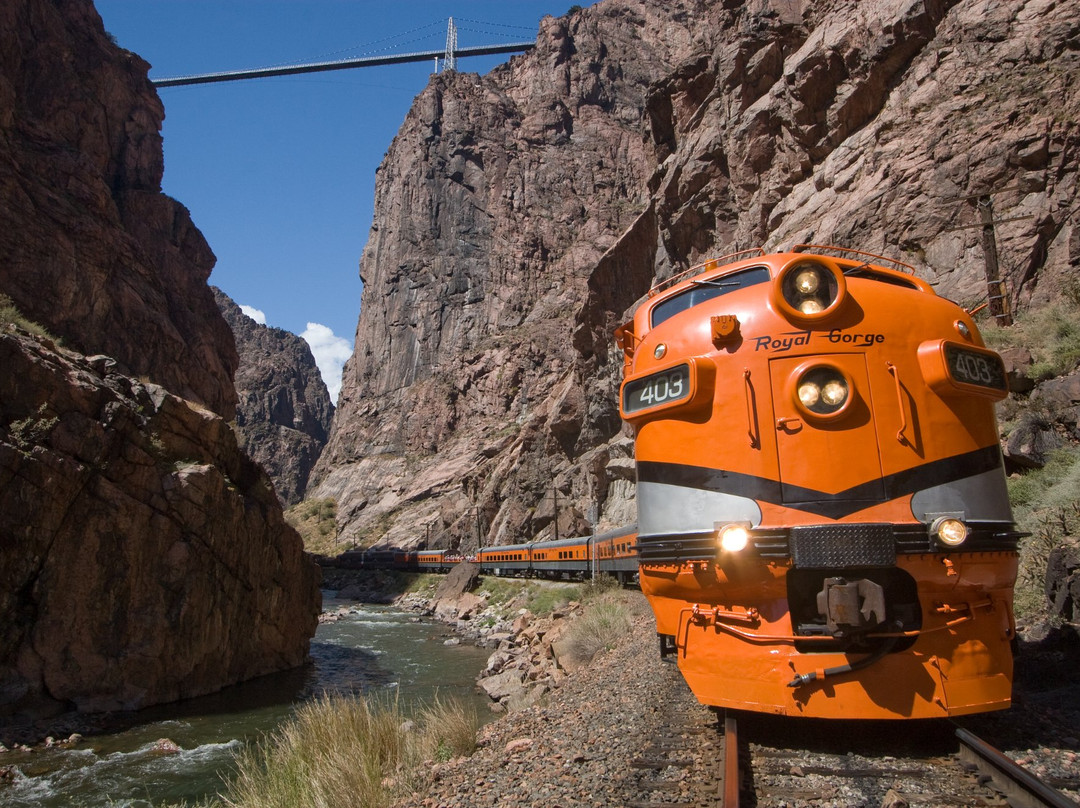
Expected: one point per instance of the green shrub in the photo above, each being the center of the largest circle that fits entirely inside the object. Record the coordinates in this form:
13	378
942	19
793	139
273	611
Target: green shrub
600	585
1051	333
500	591
543	600
33	430
10	315
1055	485
1046	504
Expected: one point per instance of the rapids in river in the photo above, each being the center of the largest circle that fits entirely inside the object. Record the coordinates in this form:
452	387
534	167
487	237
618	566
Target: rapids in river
372	649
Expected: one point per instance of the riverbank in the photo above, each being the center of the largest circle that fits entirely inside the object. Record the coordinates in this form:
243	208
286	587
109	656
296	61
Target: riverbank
390	655
539	632
579	713
577	746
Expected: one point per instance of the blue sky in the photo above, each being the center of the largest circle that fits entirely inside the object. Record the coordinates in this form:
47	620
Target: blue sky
279	173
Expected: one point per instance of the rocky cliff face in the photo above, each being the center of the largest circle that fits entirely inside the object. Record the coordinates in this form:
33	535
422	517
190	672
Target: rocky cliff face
91	248
143	557
519	215
283	410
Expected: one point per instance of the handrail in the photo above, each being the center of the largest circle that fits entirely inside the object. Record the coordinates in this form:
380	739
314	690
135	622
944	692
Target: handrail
751	413
712	263
900	436
798	248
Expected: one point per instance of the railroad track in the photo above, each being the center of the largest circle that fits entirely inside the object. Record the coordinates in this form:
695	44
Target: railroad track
697	758
676	765
1021	788
794	762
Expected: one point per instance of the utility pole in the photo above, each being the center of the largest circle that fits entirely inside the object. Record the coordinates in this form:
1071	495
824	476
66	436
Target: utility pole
555	508
997	292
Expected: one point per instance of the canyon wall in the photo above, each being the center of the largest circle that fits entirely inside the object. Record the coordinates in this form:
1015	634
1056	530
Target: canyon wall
283	410
91	248
520	214
143	556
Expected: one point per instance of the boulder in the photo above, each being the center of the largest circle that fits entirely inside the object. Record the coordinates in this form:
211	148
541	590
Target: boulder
1030	443
461	579
1063	581
503	685
1017	363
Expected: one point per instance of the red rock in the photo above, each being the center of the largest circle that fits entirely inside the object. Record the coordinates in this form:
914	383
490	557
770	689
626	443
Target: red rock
146	558
90	247
520	214
283	409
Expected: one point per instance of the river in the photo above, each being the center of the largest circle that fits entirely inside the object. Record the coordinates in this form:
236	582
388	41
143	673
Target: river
373	649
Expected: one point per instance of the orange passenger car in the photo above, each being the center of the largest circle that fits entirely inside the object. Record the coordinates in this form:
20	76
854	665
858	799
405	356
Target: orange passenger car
823	523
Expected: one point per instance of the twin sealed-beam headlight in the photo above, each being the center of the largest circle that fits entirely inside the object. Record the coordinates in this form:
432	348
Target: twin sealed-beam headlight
733	538
822	391
809	289
948	531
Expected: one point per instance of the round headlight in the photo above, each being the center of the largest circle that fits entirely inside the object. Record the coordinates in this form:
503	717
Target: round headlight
809	288
834	393
807	281
733	538
823	390
949	531
809	394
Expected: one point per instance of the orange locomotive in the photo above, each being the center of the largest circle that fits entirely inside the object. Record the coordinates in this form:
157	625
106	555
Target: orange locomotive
823	525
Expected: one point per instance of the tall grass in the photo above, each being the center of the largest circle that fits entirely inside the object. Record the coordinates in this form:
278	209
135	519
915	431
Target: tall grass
1051	333
10	314
598	627
1046	504
346	752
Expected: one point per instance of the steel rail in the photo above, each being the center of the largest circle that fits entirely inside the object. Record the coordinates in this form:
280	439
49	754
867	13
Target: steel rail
1021	788
731	761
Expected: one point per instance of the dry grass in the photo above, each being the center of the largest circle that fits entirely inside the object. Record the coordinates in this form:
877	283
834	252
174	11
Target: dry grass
10	315
605	619
316	522
346	752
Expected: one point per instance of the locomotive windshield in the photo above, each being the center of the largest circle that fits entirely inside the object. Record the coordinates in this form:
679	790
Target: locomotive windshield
706	290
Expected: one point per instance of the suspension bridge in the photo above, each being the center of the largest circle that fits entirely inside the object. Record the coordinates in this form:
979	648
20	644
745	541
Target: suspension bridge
449	55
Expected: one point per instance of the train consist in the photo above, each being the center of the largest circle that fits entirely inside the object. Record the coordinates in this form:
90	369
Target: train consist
613	553
823	524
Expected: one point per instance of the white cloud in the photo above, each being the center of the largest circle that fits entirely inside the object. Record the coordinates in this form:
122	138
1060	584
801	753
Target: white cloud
254	314
330	352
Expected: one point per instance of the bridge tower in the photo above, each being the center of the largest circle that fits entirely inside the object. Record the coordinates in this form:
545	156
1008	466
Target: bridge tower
450	59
